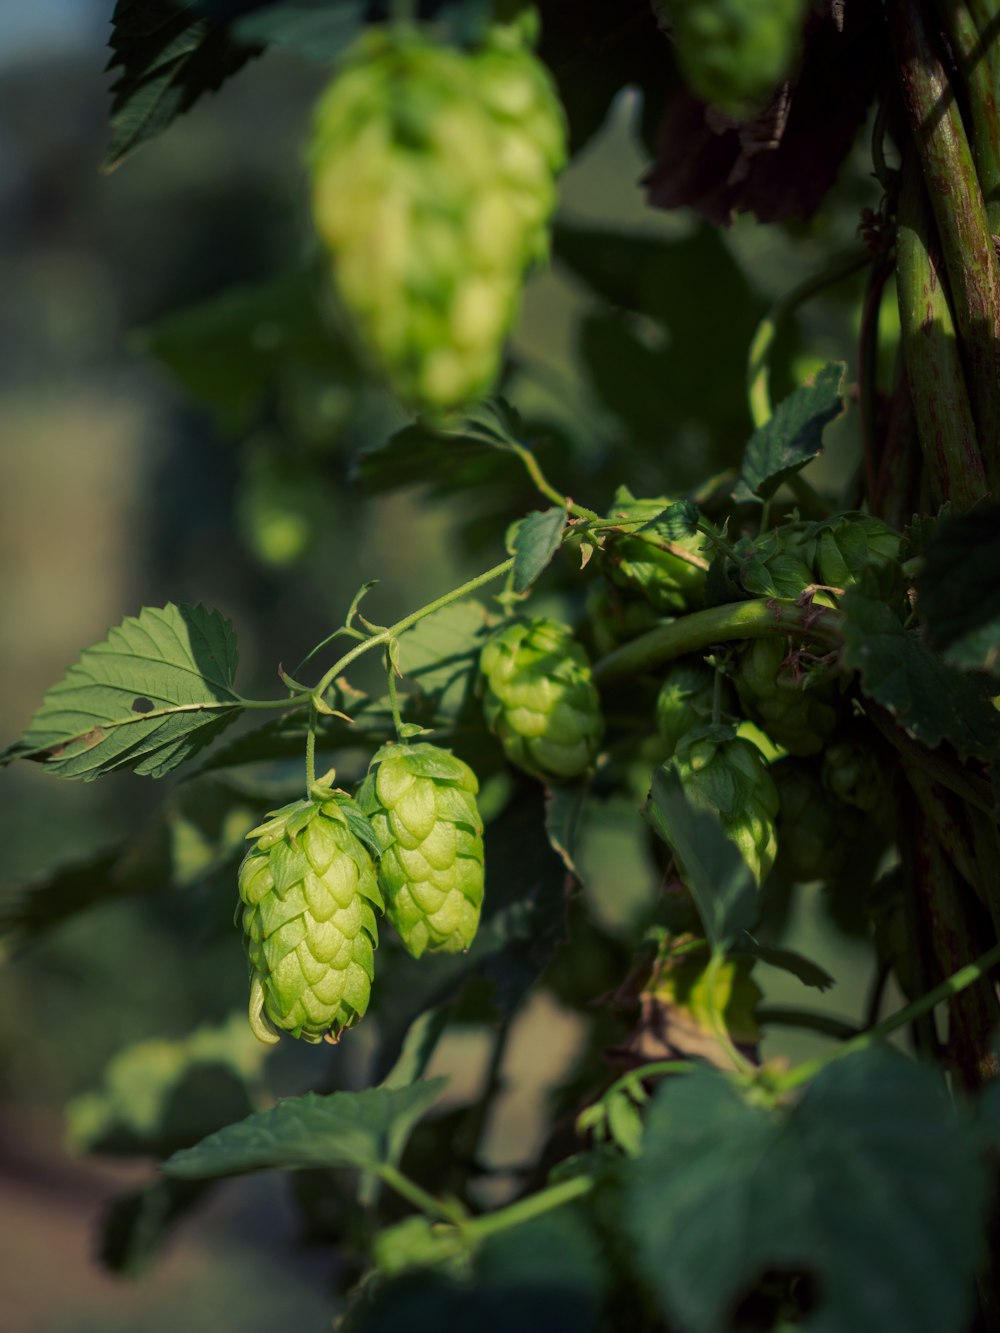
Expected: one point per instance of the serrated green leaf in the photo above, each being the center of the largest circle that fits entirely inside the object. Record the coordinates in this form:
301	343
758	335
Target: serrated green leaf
856	1186
959	589
366	1130
931	700
538	538
720	881
676	521
157	689
794	435
439	654
169	56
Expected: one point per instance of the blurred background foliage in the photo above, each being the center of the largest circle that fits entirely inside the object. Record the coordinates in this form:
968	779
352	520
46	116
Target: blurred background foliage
181	421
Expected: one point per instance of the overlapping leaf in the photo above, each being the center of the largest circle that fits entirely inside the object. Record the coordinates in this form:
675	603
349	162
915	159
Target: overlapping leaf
959	589
793	436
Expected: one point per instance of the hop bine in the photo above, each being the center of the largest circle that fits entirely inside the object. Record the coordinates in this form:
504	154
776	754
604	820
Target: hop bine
422	805
309	893
539	698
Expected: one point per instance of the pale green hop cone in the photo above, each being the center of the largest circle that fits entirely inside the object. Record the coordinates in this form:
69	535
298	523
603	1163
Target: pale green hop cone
309	893
422	804
727	774
433	182
539	698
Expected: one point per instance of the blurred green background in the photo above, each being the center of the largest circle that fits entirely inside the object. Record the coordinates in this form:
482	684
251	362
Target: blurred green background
117	489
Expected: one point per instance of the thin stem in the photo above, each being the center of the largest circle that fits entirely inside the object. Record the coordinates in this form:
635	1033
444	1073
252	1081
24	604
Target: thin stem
719	1030
311	750
293	701
700	629
414	618
419	1197
758	367
954	985
544	486
393	692
525	1210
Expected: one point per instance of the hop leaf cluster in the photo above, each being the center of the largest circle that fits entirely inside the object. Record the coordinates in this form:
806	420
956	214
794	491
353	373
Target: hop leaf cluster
727	774
422	804
309	893
539	698
433	181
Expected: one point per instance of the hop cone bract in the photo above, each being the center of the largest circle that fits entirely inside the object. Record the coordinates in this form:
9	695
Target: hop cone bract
433	181
309	893
540	699
422	804
686	700
795	708
725	773
842	546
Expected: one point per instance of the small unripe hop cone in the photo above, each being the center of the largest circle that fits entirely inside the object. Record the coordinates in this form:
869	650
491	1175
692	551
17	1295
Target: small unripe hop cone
309	893
433	181
422	804
539	698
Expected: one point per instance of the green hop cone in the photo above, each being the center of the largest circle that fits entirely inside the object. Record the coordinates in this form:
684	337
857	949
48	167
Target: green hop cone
433	182
539	698
815	831
422	804
841	547
796	707
851	772
775	564
687	699
726	774
639	561
309	893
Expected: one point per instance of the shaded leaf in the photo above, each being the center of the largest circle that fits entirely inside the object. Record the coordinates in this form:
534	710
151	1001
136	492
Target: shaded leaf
676	521
157	689
137	1224
931	700
168	55
794	435
786	960
536	541
439	655
871	1186
959	589
365	1130
564	807
720	881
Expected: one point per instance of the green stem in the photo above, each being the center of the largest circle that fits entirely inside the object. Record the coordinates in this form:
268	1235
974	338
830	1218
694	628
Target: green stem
719	1030
972	31
758	369
544	486
701	629
397	718
525	1210
414	618
958	207
311	750
954	985
293	701
419	1197
945	426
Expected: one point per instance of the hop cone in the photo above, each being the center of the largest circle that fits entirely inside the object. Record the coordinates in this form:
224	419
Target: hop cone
795	709
686	700
842	546
422	804
540	699
639	561
852	774
815	831
775	564
309	891
433	181
727	774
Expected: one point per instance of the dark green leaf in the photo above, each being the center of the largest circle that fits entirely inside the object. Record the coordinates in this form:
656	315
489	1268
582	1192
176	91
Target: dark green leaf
793	436
932	701
959	589
786	960
537	539
169	55
158	689
720	881
870	1187
676	521
564	808
366	1130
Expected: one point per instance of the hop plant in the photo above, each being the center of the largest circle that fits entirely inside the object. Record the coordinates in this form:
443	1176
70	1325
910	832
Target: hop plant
852	773
539	698
641	562
815	831
433	181
309	893
775	564
422	804
686	700
796	709
841	547
727	774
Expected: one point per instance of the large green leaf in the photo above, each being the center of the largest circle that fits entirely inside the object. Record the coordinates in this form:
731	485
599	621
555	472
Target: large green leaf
169	55
536	541
870	1189
366	1130
931	700
158	688
793	436
959	589
720	881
